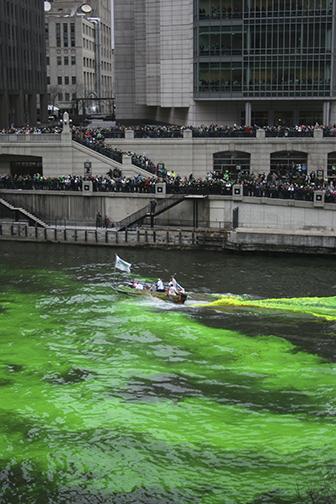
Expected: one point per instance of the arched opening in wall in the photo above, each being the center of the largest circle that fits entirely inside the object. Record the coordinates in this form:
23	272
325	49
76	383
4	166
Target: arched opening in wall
289	164
231	164
331	168
16	165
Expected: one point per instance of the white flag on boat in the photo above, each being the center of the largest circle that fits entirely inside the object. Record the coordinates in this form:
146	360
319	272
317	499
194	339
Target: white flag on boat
122	265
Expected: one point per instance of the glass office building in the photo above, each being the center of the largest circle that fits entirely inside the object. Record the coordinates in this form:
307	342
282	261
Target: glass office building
259	49
228	61
23	64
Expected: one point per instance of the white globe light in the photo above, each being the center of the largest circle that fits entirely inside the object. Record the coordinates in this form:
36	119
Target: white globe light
47	6
86	8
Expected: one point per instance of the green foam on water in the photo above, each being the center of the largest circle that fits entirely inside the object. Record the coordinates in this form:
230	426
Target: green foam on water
82	372
322	307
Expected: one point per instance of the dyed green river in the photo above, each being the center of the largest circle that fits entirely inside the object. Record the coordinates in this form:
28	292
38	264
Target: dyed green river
112	399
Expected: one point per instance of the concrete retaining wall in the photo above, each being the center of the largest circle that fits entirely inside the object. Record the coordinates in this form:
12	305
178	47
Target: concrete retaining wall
240	240
214	211
73	207
195	155
159	238
305	242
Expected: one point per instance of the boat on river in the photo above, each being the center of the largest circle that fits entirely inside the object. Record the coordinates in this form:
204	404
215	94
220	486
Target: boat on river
172	292
166	295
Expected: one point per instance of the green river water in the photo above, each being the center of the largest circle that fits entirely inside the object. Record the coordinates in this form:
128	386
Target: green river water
113	399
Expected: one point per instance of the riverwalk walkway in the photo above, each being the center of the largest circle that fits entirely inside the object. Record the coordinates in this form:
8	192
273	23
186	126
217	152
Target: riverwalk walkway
301	241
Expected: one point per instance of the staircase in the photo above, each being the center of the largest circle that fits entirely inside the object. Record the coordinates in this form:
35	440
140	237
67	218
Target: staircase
140	215
112	157
24	214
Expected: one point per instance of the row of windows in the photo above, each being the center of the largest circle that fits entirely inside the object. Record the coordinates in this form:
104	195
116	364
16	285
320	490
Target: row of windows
64	27
232	77
231	9
64	97
217	40
66	79
88	44
87	30
88	62
65	60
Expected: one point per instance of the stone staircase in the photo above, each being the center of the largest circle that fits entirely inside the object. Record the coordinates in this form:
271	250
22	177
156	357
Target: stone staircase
140	215
21	213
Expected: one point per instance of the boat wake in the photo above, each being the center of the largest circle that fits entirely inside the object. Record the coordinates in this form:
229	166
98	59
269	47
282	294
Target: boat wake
321	307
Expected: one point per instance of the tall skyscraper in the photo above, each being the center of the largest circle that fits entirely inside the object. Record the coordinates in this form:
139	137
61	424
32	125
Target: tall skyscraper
227	61
79	52
22	62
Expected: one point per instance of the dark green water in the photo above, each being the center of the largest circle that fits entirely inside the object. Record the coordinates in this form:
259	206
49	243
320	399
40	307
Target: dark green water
109	399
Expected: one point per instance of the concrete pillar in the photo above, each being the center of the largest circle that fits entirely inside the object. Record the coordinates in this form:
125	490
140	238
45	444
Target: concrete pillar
126	160
260	133
248	114
4	111
44	108
332	118
317	160
260	161
295	117
187	133
318	133
19	110
66	132
326	113
271	117
32	109
129	134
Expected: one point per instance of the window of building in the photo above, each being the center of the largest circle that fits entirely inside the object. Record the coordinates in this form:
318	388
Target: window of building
73	79
59	60
67	96
59	80
72	35
73	60
220	77
58	35
48	60
66	60
65	35
60	96
48	80
66	80
74	96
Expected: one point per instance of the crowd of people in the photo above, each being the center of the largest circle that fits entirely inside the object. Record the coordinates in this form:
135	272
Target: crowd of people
292	186
31	130
94	137
213	131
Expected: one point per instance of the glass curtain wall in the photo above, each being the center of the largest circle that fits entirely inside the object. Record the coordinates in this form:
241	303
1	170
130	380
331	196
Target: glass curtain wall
259	48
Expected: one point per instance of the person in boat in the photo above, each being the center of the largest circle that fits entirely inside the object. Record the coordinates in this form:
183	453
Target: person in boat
159	287
171	289
176	286
137	285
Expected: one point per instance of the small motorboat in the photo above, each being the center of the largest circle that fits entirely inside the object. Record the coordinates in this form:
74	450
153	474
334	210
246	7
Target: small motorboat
166	295
172	292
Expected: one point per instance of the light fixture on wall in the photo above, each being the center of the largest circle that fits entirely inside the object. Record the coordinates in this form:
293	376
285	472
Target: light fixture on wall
86	8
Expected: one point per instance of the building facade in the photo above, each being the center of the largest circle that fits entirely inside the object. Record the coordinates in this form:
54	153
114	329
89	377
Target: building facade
23	64
79	55
226	61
